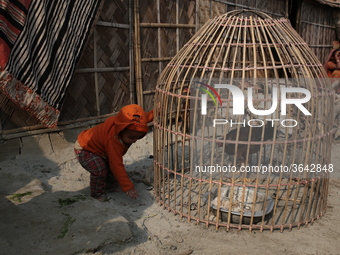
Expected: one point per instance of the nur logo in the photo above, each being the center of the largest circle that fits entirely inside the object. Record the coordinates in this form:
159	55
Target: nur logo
204	97
239	99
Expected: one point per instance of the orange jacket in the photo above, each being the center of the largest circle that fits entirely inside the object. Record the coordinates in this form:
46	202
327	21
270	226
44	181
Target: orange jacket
103	139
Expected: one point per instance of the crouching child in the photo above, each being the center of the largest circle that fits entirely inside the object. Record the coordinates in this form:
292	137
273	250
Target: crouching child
100	150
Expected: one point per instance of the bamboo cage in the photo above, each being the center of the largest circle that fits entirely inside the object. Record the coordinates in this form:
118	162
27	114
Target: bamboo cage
208	170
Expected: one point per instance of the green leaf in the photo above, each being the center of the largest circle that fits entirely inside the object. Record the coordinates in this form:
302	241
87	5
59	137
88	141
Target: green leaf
66	226
17	197
71	200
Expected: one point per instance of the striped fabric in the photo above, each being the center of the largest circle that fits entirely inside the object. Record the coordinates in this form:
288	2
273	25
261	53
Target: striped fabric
43	57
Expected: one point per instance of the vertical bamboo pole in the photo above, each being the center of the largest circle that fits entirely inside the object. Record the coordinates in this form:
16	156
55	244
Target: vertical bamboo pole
177	29
287	9
138	63
96	85
197	15
159	37
131	56
298	19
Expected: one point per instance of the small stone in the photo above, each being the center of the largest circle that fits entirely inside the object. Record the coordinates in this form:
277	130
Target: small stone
179	240
173	247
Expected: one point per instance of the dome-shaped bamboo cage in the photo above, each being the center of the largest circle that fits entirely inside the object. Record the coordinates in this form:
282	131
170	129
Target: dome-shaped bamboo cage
243	126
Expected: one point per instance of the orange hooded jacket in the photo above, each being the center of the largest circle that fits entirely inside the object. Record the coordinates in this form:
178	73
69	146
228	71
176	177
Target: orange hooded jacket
103	139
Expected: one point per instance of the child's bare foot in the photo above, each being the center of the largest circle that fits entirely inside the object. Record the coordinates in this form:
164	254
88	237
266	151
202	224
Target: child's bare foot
102	198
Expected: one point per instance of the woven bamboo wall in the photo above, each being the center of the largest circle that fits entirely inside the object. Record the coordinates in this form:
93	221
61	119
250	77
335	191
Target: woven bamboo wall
101	83
316	26
134	40
160	41
165	26
211	9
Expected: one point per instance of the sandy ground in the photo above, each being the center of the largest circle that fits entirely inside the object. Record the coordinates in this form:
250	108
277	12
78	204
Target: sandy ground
45	221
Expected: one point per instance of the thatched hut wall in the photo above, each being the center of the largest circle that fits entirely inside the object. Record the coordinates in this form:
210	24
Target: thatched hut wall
133	41
164	27
316	25
101	83
213	8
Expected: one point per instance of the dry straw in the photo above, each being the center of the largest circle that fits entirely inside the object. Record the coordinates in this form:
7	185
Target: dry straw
198	166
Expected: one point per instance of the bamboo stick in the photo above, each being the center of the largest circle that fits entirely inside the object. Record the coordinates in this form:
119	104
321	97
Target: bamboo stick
177	29
159	53
156	59
131	55
165	25
286	9
317	24
64	125
320	46
96	85
4	133
138	68
112	24
102	69
146	92
197	20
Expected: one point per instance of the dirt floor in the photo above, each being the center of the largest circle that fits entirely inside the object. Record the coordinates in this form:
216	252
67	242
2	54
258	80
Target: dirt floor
57	216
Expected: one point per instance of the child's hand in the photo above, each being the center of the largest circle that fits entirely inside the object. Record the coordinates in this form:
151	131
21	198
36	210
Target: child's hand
132	193
337	56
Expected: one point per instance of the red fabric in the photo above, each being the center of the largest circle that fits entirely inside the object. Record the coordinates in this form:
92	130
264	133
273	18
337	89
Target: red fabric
4	53
103	140
11	27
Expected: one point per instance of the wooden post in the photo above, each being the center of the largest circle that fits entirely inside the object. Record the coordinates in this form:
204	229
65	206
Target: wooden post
138	64
159	40
336	17
96	86
131	55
